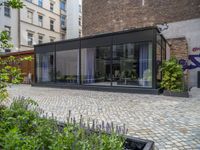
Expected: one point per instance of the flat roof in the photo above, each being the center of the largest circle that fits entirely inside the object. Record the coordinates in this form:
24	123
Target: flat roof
101	35
17	53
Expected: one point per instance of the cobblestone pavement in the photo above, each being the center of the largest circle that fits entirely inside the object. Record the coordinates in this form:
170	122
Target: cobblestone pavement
173	123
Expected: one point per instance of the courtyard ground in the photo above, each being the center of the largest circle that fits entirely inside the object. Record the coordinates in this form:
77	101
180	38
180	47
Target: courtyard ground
172	123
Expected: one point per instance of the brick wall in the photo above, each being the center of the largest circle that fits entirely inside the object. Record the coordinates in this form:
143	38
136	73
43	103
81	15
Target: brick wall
179	49
101	16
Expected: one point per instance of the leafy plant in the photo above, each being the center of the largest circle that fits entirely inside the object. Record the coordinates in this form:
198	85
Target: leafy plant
10	72
22	127
172	75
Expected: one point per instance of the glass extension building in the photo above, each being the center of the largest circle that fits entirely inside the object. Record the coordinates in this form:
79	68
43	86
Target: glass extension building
125	61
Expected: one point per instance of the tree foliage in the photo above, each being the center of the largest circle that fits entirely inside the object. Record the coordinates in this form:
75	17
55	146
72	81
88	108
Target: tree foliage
16	4
10	73
9	67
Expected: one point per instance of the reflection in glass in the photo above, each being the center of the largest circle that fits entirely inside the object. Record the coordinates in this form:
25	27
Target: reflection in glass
67	66
132	65
45	67
95	66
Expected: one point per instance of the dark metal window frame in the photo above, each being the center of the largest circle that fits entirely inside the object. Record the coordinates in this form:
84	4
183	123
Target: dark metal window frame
148	34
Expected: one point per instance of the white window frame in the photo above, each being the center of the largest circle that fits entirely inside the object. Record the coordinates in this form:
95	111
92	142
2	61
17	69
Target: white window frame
29	39
51	6
40	20
40	39
30	15
7	11
52	22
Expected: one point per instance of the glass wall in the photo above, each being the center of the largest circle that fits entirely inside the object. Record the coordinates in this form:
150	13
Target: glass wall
67	66
160	57
115	60
95	66
132	65
45	63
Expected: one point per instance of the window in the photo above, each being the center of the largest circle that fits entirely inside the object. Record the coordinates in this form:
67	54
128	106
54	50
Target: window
29	1
128	64
62	5
80	33
51	7
40	20
132	65
62	36
80	9
67	65
52	25
96	69
7	50
52	39
40	39
45	67
79	21
8	29
40	3
62	20
30	39
30	16
7	11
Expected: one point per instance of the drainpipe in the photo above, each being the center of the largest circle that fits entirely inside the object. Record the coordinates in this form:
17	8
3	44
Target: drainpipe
19	31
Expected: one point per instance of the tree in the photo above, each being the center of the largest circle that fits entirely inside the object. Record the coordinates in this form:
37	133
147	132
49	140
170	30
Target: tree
9	67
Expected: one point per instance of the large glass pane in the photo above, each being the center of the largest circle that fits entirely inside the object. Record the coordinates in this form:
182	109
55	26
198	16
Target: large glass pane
45	67
132	65
67	66
95	66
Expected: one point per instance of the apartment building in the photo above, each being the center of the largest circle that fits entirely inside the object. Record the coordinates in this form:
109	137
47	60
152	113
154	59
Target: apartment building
9	22
40	21
178	21
74	19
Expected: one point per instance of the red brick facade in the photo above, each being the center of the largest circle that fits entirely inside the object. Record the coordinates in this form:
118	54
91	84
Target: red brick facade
179	48
101	16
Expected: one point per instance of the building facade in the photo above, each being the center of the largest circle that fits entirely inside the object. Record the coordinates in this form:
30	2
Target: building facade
74	19
125	61
9	22
39	21
179	22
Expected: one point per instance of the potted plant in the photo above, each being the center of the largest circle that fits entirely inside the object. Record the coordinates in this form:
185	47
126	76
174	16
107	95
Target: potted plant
172	79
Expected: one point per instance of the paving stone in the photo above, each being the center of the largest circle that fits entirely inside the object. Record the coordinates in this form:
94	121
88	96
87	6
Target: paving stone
174	123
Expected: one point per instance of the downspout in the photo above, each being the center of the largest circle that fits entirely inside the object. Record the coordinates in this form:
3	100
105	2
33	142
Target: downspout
19	31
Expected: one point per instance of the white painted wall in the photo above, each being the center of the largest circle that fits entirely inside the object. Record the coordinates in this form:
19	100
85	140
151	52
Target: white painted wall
11	21
73	14
189	29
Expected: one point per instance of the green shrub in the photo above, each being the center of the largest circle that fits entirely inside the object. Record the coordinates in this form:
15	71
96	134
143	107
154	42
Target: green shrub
22	127
172	75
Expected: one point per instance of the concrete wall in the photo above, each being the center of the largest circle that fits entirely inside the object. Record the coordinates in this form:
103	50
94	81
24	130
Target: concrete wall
190	29
73	15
